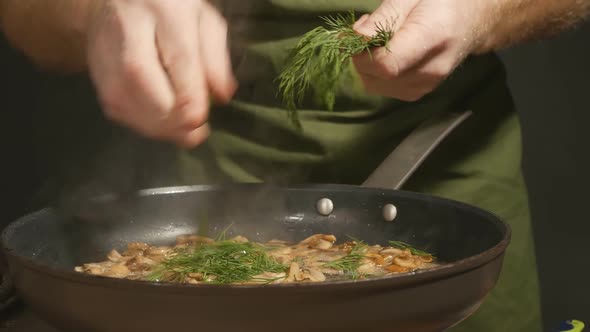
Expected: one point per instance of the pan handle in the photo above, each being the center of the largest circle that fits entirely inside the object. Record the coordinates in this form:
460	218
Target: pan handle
405	159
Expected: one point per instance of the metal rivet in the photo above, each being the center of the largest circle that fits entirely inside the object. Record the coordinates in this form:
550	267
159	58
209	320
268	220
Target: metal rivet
389	212
325	206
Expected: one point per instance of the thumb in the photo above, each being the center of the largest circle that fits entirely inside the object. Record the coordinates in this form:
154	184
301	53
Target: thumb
405	48
391	13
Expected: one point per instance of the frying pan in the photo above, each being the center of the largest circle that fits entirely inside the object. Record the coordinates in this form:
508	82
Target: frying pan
42	249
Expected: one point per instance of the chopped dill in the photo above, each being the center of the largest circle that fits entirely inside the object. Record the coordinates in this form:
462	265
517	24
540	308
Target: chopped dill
403	246
320	58
223	234
351	262
221	262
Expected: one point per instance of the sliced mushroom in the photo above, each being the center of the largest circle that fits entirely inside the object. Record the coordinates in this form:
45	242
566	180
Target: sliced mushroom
294	272
321	241
118	271
391	251
239	239
281	259
329	238
196	276
378	259
316	275
192	239
368	268
323	244
331	271
417	261
96	269
406	253
405	262
374	249
157	251
329	255
192	281
275	242
388	259
135	248
140	263
426	259
396	269
114	256
282	251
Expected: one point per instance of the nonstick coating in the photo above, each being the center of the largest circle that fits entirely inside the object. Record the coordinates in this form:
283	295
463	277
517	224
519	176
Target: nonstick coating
43	248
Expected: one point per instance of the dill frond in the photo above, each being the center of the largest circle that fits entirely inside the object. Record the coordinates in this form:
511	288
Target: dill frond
226	262
319	59
223	234
404	246
351	262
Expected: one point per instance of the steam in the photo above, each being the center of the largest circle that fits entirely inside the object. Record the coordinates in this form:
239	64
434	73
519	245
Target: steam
126	162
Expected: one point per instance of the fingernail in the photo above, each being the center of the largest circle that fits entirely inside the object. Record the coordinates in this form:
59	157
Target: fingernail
232	87
366	28
360	21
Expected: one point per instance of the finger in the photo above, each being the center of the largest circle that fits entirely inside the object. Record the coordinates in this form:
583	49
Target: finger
408	46
409	89
376	62
194	137
132	83
147	88
438	67
180	56
360	21
213	34
383	63
390	13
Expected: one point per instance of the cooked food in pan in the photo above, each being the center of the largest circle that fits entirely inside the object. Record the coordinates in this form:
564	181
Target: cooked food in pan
196	260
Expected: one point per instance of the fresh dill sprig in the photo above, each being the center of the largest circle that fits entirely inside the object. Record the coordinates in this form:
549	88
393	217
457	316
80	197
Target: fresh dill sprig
403	246
351	262
223	234
320	58
223	262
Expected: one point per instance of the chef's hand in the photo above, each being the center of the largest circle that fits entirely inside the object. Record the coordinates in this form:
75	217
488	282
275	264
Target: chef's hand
155	63
431	38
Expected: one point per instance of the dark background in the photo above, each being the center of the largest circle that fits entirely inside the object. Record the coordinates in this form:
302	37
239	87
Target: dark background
550	81
551	86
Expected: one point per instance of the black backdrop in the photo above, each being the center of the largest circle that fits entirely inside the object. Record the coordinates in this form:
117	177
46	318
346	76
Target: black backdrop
550	81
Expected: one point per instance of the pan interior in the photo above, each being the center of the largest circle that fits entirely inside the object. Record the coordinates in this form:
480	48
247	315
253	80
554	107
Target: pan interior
450	230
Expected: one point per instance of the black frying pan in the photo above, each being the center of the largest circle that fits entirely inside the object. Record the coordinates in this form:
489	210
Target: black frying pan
43	248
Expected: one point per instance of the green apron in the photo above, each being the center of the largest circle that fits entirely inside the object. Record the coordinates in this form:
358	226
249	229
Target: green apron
253	141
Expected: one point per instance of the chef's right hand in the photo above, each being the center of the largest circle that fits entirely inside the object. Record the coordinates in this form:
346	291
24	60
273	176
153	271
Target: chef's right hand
155	63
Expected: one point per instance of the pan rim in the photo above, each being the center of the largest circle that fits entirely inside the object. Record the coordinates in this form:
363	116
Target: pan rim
398	280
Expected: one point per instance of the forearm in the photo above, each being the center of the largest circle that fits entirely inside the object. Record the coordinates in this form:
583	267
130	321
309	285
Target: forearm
523	20
50	32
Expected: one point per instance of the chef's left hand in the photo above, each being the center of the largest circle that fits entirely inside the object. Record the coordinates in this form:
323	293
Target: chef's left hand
431	38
